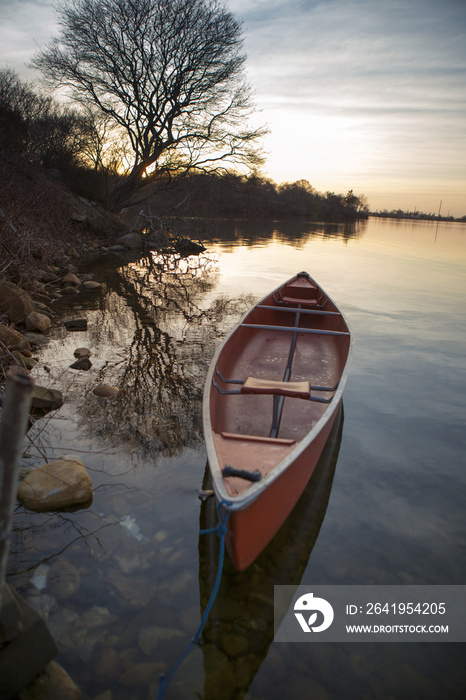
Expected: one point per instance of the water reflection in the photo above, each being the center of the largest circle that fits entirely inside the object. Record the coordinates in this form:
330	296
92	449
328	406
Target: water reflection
120	582
297	232
171	333
240	627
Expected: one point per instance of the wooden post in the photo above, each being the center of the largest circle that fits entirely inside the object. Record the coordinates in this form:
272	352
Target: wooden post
13	427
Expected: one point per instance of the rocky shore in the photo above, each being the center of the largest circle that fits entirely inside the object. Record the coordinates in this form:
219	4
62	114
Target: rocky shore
26	318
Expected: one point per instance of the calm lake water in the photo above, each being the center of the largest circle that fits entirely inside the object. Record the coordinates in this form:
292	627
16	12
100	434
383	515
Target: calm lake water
124	583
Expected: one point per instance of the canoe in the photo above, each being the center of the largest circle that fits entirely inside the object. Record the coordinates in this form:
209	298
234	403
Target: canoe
272	393
253	590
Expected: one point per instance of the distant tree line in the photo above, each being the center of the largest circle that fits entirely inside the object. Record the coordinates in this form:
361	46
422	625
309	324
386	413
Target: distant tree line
255	196
415	215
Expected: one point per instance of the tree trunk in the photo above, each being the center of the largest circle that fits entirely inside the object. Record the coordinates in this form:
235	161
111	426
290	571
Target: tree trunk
121	193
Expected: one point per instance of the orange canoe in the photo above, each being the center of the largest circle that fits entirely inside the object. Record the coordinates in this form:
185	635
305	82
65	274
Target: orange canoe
271	396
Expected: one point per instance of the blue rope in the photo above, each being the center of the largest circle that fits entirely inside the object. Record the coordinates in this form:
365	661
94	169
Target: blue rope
221	531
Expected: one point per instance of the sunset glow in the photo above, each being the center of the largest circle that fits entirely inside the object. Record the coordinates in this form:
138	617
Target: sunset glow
357	94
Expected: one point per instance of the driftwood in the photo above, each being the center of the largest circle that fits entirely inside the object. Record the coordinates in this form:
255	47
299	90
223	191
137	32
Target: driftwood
163	238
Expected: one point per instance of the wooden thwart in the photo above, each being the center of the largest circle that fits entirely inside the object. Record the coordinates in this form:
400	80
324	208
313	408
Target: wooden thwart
300	390
294	329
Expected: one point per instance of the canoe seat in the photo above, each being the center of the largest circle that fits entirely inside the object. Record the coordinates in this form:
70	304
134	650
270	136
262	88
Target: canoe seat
299	390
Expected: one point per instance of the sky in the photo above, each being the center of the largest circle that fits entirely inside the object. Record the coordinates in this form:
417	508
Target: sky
368	95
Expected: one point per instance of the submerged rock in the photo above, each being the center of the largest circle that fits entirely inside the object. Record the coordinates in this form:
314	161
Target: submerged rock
105	391
60	484
36	339
76	324
83	363
134	590
107	667
52	683
142	674
46	399
64	579
150	637
82	352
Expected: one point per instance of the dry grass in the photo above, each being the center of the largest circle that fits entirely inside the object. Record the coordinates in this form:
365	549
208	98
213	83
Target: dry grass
40	220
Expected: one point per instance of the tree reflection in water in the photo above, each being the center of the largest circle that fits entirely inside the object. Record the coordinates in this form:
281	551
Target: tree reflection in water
166	307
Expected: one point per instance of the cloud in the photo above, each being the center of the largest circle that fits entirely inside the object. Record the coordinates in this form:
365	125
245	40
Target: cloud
353	90
26	26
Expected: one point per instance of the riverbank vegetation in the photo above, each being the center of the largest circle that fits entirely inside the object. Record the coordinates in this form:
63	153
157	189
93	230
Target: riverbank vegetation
81	151
59	166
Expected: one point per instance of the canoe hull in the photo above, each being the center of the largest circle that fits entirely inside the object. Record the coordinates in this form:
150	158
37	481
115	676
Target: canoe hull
251	529
271	397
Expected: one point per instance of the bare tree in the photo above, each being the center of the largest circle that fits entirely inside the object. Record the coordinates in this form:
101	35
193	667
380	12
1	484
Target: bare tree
168	72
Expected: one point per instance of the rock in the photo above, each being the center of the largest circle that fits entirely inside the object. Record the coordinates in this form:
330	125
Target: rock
150	637
187	247
131	561
117	249
35	339
132	241
14	302
134	590
20	359
52	684
106	695
82	352
46	399
220	682
30	362
59	484
13	339
88	277
83	363
44	603
36	321
50	276
234	645
143	674
77	324
23	360
45	276
70	290
78	216
38	273
72	252
42	307
90	284
105	391
106	666
64	579
97	616
71	278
